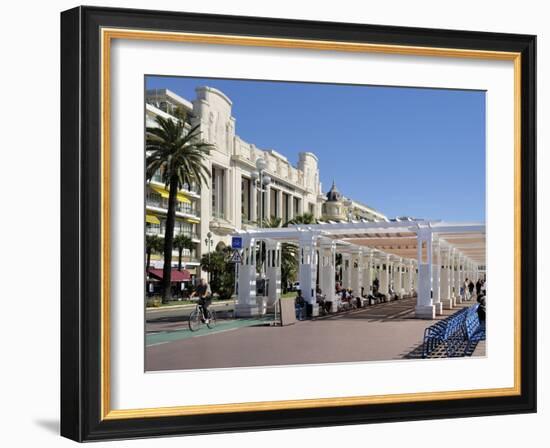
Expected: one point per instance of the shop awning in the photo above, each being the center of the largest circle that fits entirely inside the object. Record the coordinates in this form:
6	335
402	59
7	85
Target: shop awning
152	219
165	194
192	221
175	276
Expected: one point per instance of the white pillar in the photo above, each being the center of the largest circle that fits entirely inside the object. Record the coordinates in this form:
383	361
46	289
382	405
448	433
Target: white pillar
346	271
385	275
290	207
425	308
406	280
356	271
445	284
267	202
246	280
327	266
273	271
397	276
436	273
414	275
279	210
307	268
458	279
367	274
253	201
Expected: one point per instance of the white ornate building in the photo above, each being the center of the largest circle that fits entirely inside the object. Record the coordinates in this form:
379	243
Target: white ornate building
231	201
337	207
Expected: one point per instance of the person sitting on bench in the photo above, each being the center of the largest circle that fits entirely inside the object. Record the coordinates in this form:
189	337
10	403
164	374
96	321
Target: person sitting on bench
300	305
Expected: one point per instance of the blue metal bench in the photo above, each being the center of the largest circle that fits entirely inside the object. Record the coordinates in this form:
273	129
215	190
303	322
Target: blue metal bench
456	335
474	329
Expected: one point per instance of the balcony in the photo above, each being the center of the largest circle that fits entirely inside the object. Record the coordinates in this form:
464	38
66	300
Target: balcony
181	207
159	231
192	190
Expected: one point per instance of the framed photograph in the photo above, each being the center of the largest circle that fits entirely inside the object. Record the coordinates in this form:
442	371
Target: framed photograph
274	223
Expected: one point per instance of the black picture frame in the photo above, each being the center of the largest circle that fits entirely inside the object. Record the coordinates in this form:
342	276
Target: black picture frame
81	224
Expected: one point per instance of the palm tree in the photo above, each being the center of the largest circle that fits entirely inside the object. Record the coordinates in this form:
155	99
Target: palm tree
272	222
181	242
176	151
306	218
153	244
289	253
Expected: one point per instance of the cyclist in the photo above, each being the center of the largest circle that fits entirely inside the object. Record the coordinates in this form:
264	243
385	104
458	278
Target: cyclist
204	294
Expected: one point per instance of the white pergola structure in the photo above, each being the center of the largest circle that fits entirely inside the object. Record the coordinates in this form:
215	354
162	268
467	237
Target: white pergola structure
431	259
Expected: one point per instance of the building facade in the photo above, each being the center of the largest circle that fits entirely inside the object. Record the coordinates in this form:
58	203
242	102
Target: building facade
337	207
232	199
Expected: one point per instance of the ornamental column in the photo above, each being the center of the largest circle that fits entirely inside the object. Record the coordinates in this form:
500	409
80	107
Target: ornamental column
267	203
247	305
327	266
436	273
460	282
307	267
356	271
385	275
397	276
367	274
456	296
290	207
425	308
445	284
273	271
279	211
406	280
414	278
346	271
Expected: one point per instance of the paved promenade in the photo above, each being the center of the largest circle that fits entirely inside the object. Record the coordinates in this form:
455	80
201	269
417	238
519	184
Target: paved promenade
382	332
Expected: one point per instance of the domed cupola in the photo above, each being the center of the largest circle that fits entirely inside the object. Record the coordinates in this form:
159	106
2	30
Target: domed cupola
334	195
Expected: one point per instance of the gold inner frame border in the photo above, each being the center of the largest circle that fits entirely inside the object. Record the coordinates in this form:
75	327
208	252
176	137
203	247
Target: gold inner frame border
107	35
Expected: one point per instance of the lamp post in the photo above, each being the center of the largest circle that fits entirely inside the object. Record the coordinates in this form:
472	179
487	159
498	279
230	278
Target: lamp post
208	241
261	179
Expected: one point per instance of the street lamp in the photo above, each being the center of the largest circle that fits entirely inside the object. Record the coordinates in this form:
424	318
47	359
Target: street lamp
264	180
208	241
261	179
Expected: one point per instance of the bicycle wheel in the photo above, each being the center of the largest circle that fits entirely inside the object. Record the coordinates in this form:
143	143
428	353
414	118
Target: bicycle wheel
211	319
194	320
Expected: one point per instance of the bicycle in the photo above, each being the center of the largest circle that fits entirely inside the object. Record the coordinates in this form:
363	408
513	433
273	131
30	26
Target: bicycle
197	318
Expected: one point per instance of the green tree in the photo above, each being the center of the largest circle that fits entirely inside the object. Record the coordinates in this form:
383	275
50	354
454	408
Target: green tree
222	272
306	218
182	242
153	244
176	151
289	251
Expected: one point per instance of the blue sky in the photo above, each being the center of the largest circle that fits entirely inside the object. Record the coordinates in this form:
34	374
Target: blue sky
404	151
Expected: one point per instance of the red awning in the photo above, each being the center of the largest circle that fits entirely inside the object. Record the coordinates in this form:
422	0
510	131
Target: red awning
176	276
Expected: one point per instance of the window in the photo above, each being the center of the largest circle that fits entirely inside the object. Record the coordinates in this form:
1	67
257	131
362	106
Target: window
273	202
153	198
245	199
312	208
218	193
296	206
286	207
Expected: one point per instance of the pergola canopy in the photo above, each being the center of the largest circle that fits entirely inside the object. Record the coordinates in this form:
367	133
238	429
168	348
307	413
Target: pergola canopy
397	238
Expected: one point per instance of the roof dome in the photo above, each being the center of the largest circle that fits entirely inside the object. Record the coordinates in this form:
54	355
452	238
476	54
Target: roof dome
334	195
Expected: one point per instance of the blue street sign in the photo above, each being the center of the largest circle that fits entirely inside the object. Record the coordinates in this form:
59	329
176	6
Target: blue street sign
236	242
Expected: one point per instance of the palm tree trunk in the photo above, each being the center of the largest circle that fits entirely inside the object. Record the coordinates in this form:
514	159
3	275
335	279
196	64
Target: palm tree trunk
169	240
179	259
148	260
